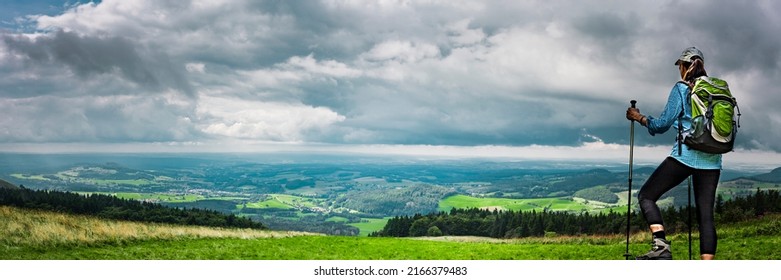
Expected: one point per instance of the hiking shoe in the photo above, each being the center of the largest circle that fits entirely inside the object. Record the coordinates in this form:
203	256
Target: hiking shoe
660	250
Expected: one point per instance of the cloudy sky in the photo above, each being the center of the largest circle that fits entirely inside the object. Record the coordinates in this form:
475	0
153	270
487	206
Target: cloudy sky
526	79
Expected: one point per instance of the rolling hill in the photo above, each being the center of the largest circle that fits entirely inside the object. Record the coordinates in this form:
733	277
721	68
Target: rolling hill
6	185
773	176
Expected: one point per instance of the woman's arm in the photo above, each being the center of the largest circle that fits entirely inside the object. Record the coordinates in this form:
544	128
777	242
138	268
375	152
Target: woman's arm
671	111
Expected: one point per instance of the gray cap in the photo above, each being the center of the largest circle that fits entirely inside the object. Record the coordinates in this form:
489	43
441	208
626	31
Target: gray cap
689	54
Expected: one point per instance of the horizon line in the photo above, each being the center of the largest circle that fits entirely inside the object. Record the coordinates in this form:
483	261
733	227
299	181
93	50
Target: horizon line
590	151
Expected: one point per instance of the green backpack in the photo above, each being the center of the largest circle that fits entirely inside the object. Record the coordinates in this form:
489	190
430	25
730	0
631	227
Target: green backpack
715	116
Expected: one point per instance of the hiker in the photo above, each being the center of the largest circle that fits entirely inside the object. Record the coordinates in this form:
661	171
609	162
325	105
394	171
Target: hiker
705	168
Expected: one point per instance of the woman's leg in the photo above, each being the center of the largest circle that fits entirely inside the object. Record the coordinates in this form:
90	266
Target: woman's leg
705	183
669	174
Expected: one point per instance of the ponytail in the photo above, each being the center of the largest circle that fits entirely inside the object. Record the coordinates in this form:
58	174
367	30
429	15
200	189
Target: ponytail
695	69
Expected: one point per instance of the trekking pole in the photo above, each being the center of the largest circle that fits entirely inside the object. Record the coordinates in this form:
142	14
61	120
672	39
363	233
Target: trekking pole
690	217
629	196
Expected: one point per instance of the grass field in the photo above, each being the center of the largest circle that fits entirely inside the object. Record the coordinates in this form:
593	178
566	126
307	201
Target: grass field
371	225
41	235
284	201
556	204
293	200
269	203
23	228
30	177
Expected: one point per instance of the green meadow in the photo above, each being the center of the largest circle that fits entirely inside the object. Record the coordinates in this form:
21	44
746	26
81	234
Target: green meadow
30	177
268	203
31	235
538	204
296	201
367	226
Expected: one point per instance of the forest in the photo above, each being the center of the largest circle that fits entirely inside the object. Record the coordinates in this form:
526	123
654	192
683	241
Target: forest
418	198
111	207
311	223
511	224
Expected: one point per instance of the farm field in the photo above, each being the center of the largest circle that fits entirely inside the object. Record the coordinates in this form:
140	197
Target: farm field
370	225
268	203
528	204
296	201
739	187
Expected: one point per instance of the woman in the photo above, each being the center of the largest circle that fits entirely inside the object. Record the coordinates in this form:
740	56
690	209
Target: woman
704	168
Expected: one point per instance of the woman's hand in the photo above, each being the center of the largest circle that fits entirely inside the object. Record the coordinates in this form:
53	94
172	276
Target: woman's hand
633	114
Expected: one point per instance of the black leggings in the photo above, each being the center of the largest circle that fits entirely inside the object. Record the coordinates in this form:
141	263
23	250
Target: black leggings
669	174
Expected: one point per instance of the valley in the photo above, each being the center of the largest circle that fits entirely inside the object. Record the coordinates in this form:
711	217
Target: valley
342	195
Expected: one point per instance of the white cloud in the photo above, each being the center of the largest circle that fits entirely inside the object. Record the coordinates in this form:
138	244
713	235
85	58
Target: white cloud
258	120
274	77
195	67
403	51
327	68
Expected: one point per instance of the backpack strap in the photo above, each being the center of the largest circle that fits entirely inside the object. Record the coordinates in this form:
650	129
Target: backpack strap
738	109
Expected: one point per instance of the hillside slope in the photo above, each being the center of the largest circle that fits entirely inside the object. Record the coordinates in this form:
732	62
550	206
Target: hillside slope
773	176
58	236
120	209
36	228
6	185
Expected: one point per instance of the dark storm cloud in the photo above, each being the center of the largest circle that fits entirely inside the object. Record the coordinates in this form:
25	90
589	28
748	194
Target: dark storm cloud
88	56
607	26
466	73
741	35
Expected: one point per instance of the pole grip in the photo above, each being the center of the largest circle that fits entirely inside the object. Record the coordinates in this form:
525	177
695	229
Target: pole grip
633	102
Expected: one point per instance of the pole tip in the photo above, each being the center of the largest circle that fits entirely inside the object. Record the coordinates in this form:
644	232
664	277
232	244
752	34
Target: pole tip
633	102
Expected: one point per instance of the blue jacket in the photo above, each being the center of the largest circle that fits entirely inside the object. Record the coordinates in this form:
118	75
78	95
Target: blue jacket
669	119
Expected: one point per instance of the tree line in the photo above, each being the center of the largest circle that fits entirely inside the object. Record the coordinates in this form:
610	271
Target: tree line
511	224
110	207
